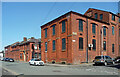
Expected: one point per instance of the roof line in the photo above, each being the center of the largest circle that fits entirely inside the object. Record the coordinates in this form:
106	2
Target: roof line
74	13
105	11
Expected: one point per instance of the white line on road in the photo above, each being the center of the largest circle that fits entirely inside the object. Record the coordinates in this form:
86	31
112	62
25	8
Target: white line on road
14	73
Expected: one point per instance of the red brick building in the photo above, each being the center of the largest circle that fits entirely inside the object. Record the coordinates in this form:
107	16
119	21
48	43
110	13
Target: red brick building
25	50
75	38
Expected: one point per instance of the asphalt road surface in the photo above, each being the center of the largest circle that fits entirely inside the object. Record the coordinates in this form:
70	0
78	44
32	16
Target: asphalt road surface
21	69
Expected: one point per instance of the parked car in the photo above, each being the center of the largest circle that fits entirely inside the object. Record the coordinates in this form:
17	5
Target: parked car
36	62
11	60
103	60
6	59
3	59
117	59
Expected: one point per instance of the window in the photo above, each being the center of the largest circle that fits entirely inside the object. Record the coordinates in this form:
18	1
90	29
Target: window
53	29
53	44
39	45
80	43
20	55
112	30
108	57
45	46
112	48
63	26
94	44
32	54
80	25
104	45
96	15
36	46
63	44
39	55
93	28
36	55
113	17
45	33
104	31
101	16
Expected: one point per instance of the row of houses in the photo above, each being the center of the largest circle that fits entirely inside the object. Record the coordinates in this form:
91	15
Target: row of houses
72	38
24	50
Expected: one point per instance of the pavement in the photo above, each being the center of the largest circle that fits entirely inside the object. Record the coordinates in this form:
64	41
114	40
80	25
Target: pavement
20	68
63	65
49	64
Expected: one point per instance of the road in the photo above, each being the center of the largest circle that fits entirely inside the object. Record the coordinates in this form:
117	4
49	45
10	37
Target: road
22	68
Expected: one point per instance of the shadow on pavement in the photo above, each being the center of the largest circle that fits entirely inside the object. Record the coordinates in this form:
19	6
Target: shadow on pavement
114	66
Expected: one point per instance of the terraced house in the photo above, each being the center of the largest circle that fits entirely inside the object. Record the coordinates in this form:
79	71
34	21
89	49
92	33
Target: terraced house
25	50
75	38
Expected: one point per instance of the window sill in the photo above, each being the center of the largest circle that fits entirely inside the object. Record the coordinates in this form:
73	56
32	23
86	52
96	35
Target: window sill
94	34
104	50
53	35
63	32
80	49
53	50
94	49
80	31
63	50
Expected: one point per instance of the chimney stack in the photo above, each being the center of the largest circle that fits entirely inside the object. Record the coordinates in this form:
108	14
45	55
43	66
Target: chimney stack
118	14
32	38
25	39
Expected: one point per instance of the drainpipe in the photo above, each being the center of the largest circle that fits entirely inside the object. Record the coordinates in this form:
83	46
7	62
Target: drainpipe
102	41
87	43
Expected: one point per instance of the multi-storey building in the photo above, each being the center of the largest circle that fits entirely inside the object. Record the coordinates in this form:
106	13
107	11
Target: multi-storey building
25	50
75	38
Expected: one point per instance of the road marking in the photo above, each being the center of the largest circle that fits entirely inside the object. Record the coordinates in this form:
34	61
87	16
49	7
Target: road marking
10	71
